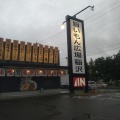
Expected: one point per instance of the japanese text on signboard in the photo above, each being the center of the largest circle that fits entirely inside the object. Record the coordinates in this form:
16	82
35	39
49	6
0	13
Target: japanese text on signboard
77	47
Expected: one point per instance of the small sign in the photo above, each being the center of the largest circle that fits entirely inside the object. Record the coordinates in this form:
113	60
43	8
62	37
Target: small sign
32	72
25	72
79	81
17	73
44	72
10	72
39	72
2	72
49	72
54	72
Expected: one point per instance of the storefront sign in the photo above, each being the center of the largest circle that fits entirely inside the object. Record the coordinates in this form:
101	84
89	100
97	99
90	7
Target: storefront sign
17	73
79	81
32	72
28	52
40	53
34	53
2	72
49	72
15	50
46	54
10	72
39	72
22	51
56	55
7	49
51	54
44	72
54	72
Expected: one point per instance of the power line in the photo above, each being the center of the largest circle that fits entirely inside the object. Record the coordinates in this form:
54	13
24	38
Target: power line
103	14
103	47
57	34
102	10
103	51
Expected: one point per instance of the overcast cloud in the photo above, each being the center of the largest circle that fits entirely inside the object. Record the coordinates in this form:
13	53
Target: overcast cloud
40	20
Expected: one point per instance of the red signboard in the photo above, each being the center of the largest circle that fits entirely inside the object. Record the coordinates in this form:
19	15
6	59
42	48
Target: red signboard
79	81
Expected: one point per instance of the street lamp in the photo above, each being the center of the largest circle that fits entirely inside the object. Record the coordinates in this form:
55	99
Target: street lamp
76	52
92	8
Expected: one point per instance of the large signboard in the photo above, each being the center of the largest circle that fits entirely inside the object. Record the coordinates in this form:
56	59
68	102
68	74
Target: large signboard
76	52
15	50
22	51
7	49
1	48
28	52
78	64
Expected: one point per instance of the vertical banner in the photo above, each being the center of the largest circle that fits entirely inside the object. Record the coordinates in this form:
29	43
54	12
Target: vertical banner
78	63
56	55
34	52
40	53
51	54
22	51
7	49
46	54
15	50
28	52
1	48
2	72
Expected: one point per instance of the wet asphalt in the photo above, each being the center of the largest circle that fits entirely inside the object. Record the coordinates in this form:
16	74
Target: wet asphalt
62	107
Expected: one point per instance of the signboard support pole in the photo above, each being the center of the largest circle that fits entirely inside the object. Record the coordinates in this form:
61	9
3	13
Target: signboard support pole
71	88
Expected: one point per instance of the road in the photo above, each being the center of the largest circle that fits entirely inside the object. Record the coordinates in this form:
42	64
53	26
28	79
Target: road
62	107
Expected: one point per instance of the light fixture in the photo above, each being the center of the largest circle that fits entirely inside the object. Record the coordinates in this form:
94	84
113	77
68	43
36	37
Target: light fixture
28	71
92	8
62	26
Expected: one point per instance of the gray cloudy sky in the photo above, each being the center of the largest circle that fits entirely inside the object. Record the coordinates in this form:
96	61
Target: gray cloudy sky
40	20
